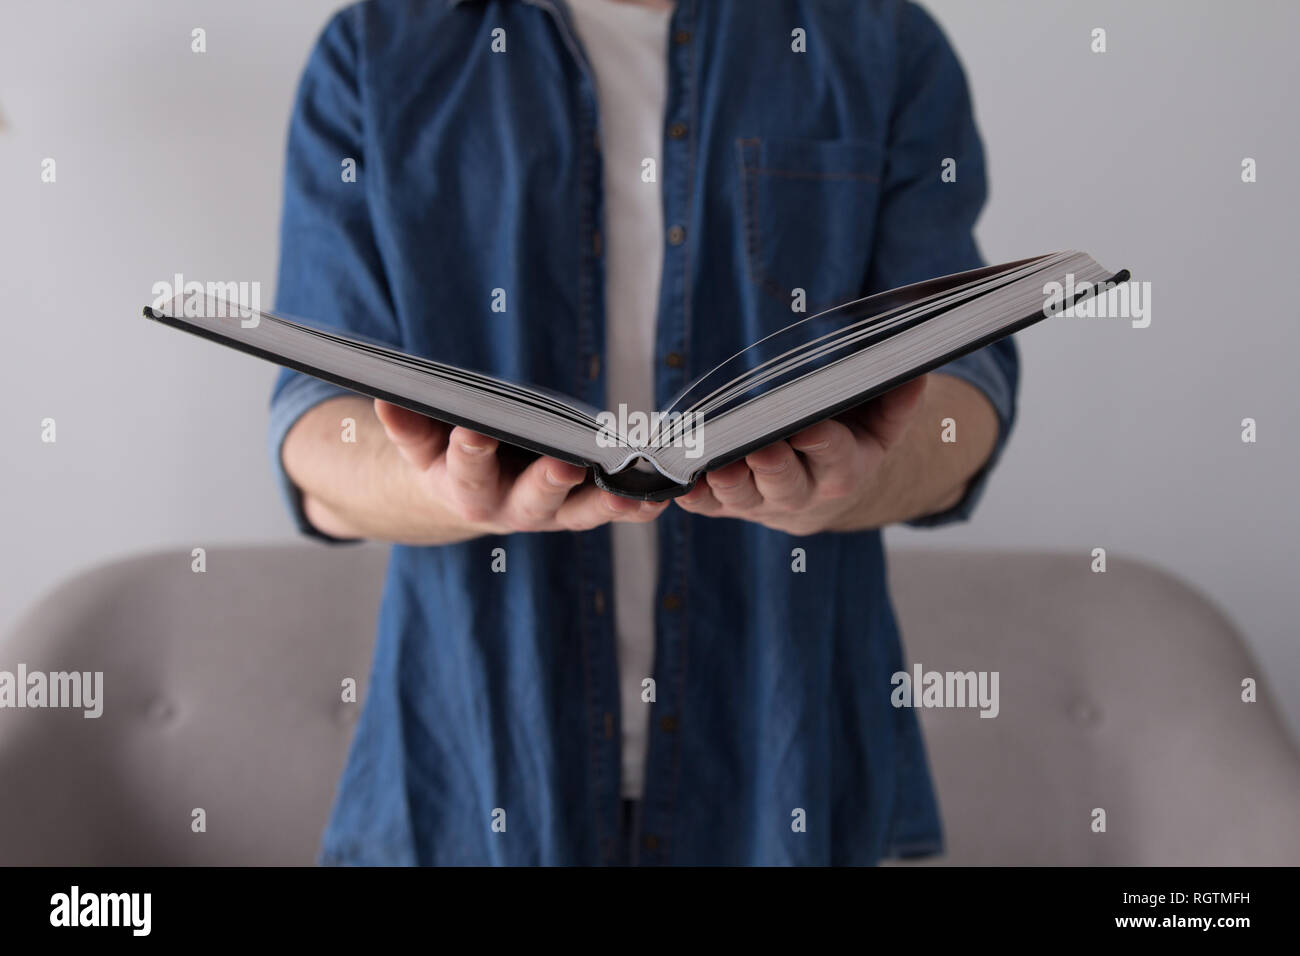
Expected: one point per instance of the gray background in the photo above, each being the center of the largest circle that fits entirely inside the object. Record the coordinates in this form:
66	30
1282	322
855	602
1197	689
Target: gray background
1128	439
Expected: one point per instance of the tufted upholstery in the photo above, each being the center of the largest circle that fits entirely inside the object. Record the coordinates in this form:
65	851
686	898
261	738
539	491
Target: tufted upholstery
1119	691
223	692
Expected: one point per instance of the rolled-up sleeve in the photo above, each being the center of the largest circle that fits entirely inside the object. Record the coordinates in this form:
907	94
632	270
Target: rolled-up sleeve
925	226
331	271
293	397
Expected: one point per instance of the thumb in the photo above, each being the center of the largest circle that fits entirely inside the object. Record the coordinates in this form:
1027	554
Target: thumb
418	438
890	415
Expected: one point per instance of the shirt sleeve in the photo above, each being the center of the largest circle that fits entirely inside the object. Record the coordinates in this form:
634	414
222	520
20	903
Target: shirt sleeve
925	226
331	271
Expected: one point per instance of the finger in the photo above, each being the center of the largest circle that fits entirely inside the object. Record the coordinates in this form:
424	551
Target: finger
889	416
619	508
539	491
699	500
646	511
418	438
473	473
832	457
779	475
734	488
582	510
591	507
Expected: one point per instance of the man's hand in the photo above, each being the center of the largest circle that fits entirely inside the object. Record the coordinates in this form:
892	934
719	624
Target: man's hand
880	463
412	480
461	469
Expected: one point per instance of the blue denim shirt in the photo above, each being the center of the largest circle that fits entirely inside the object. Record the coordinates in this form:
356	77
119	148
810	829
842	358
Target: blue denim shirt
479	170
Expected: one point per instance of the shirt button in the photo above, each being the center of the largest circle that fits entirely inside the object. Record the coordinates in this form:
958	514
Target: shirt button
609	726
682	37
668	724
598	601
677	130
674	360
650	842
595	243
593	369
676	235
672	602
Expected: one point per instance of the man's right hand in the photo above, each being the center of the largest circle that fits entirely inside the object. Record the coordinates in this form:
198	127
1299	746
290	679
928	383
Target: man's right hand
413	480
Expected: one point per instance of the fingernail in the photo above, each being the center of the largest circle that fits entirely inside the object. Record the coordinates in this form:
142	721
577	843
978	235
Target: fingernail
473	449
552	480
816	446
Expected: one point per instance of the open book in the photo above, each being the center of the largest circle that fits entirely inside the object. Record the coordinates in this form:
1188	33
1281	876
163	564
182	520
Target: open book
811	370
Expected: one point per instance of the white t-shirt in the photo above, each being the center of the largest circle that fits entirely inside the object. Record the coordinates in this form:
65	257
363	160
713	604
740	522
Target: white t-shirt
627	47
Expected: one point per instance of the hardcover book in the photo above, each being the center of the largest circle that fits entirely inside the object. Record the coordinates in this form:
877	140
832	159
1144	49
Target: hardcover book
813	369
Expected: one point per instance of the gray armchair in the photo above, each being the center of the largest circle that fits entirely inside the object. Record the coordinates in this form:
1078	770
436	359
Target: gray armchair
222	693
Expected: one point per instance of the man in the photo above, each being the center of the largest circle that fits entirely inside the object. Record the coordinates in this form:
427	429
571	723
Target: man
609	198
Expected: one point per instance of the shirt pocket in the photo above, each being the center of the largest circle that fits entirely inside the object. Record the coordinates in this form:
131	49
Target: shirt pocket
809	218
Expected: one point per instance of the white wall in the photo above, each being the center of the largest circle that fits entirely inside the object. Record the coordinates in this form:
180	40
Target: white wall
1128	439
167	161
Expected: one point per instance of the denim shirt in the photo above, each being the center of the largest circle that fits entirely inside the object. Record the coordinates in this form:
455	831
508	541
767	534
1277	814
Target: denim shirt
804	146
